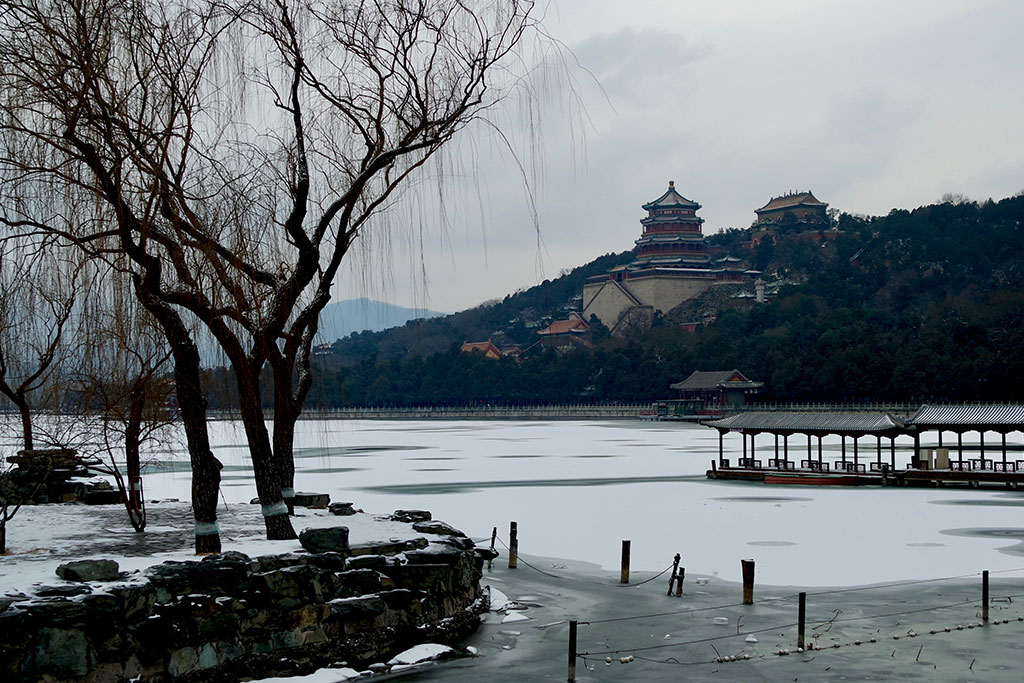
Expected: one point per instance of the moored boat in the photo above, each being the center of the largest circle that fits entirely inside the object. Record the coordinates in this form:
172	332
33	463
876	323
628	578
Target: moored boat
810	479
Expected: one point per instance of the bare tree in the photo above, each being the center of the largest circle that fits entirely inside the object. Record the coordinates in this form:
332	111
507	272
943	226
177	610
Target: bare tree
233	152
37	298
38	291
121	387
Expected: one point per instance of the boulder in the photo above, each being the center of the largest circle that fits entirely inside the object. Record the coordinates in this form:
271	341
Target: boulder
409	516
62	591
328	540
88	570
315	501
436	527
94	495
341	509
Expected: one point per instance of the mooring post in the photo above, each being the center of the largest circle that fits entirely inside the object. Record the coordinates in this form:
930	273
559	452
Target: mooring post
624	577
494	537
513	545
801	620
572	651
748	581
675	568
679	582
984	595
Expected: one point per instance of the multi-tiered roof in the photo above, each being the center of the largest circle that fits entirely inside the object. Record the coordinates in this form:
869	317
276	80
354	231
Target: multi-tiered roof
672	235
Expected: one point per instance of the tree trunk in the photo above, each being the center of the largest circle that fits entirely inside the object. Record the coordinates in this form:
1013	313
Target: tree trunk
284	438
133	500
3	535
265	468
205	467
192	404
26	421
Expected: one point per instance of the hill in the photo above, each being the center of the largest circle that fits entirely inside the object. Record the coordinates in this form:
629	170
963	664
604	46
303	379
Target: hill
915	305
342	318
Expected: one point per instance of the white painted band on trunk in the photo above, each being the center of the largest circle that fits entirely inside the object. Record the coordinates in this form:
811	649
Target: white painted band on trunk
274	510
207	529
288	493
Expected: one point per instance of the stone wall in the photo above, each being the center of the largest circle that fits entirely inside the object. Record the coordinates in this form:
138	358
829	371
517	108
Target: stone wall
226	617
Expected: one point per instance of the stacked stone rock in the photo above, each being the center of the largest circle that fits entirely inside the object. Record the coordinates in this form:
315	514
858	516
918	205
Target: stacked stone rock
54	475
229	616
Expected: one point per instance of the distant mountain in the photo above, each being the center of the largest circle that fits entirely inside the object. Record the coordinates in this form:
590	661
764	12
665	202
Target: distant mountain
342	318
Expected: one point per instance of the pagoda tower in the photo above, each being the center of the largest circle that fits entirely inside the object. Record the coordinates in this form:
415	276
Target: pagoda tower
670	265
672	235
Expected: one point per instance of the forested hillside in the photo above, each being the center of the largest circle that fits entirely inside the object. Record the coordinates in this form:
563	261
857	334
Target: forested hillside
916	305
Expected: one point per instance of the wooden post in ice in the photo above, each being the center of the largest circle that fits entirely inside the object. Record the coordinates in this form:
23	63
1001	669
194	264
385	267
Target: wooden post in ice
513	545
624	576
984	595
748	581
675	568
679	582
572	651
494	537
801	621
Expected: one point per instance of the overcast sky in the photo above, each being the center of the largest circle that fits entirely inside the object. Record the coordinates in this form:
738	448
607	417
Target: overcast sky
870	104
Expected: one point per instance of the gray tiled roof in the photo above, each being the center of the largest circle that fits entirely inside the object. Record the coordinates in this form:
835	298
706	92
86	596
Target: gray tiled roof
981	415
825	422
716	379
671	199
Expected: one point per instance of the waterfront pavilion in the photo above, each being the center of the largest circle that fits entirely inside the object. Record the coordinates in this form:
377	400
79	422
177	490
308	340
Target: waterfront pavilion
853	425
960	419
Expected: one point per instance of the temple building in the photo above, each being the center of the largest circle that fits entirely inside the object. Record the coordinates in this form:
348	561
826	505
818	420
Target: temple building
488	348
715	391
671	265
795	207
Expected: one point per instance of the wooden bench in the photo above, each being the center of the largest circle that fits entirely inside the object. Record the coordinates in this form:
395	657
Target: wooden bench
780	464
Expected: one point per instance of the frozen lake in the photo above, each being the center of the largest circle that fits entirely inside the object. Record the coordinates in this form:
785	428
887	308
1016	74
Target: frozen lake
578	488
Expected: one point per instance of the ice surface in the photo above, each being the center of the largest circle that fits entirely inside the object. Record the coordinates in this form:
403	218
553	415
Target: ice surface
578	488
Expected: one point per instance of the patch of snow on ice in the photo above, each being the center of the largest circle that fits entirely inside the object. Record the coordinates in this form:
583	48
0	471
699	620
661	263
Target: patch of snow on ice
514	616
498	600
319	676
420	653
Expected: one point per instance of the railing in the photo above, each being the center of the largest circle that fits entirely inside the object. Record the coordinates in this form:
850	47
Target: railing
490	412
899	407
